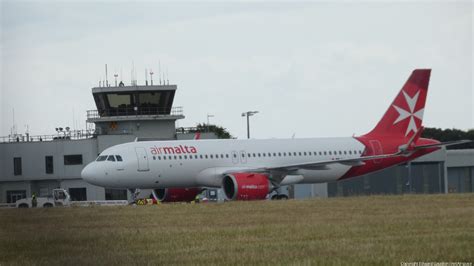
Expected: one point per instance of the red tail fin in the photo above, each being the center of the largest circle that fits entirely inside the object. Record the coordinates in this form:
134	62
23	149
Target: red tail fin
405	115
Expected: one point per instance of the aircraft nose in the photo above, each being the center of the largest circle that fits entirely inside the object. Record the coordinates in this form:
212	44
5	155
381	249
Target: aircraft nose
89	174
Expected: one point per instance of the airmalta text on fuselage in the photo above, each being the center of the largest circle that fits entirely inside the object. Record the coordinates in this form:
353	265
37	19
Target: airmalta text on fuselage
173	150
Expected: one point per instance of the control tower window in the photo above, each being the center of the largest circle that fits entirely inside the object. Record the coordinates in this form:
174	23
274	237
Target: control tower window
119	100
149	99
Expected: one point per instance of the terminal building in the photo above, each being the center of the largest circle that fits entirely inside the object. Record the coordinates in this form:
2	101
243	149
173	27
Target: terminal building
39	164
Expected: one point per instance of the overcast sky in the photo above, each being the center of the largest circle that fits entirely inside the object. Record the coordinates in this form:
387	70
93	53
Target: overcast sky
311	69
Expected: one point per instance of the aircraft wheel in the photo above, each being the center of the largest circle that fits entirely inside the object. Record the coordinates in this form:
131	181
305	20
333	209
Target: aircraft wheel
282	197
275	197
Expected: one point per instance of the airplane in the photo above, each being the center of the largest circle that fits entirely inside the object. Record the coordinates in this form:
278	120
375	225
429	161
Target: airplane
251	169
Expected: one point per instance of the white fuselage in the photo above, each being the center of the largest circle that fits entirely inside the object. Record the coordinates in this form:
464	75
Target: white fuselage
201	163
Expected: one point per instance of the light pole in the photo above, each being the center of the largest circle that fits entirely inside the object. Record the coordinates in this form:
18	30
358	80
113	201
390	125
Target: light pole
208	115
249	114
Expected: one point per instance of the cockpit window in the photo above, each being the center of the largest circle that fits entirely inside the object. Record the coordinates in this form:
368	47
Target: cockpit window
119	158
101	158
111	158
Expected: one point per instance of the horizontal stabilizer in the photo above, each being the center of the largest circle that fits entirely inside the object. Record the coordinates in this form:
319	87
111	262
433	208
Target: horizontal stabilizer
442	144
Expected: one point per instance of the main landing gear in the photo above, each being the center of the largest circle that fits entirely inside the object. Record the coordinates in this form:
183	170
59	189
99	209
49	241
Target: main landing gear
279	197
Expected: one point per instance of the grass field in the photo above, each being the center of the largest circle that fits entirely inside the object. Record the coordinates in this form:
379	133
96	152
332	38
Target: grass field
360	230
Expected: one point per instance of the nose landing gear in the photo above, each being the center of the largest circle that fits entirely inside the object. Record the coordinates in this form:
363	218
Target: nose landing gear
135	192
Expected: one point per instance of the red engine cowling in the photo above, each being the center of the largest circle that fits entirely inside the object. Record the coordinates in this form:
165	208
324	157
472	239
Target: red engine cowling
176	194
246	186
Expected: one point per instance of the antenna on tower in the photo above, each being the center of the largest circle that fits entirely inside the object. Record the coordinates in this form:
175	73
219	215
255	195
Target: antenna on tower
13	129
146	77
151	77
134	81
159	70
167	76
106	77
115	76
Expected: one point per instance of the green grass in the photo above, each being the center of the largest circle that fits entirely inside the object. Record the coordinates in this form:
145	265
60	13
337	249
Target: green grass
359	230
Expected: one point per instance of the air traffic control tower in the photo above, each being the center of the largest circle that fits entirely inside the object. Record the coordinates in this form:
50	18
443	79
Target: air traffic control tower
145	111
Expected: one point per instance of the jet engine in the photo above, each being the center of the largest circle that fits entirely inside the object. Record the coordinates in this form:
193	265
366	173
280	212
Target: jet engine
246	186
176	194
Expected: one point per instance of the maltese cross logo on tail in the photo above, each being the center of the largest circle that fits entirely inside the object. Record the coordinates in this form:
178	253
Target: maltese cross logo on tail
404	114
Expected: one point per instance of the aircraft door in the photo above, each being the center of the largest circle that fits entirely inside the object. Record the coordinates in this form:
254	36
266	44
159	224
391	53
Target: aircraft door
376	149
142	159
243	157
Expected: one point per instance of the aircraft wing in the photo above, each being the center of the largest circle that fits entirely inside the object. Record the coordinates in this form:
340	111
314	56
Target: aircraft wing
317	165
322	165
